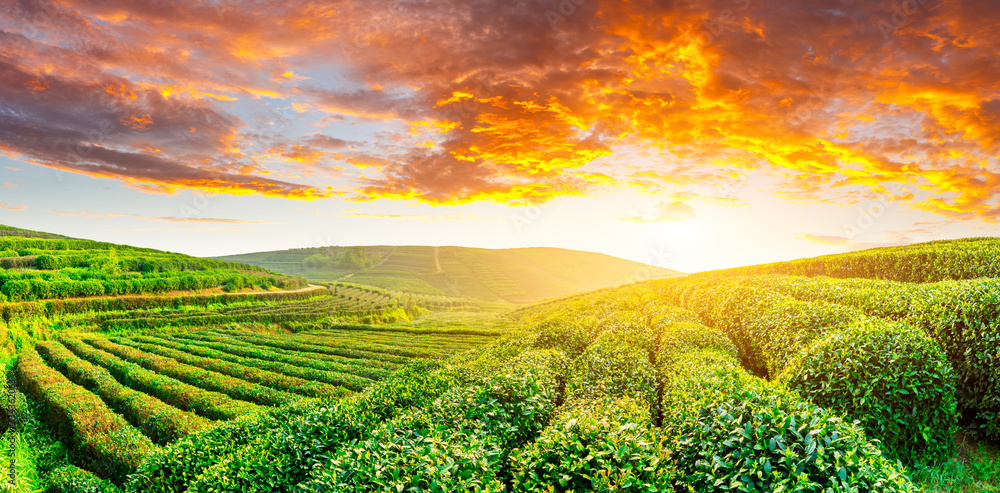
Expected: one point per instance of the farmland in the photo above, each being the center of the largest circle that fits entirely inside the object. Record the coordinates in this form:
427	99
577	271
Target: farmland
769	378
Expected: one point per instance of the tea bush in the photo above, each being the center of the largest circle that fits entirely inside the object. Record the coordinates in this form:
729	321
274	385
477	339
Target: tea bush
99	439
160	422
236	388
278	453
597	445
728	430
212	405
460	442
771	330
893	379
961	315
249	374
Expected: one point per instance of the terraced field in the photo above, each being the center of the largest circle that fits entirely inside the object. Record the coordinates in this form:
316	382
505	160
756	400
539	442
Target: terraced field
374	298
40	267
299	310
117	400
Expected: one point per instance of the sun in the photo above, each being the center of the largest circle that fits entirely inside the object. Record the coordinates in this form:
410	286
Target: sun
687	230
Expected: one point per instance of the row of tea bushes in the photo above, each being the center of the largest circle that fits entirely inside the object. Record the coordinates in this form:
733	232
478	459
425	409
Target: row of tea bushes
100	440
159	421
892	378
962	316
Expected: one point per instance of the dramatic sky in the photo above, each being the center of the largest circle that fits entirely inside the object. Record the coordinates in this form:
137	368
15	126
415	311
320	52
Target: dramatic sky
687	134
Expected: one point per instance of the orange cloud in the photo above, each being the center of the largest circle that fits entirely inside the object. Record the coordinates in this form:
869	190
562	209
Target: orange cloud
507	103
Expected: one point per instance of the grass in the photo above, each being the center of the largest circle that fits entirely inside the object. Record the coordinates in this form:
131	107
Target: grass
27	477
24	448
975	468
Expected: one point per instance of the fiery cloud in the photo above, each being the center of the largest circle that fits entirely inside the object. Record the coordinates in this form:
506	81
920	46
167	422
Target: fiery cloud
513	102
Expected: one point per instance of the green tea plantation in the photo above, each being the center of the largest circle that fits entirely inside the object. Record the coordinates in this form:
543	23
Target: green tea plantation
867	372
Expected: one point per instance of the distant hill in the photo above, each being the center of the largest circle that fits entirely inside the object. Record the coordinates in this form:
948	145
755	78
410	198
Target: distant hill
27	233
517	275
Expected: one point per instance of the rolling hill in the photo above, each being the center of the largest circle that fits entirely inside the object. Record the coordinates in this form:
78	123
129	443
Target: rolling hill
42	266
517	275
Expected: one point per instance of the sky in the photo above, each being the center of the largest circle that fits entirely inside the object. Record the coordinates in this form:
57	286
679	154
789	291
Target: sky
691	135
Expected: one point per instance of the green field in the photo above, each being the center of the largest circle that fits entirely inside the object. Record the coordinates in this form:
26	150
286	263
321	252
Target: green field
836	374
517	275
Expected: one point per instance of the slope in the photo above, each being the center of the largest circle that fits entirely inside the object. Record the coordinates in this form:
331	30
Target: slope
40	266
517	275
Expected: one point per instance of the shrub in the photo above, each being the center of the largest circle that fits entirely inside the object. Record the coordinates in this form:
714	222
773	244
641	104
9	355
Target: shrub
47	262
283	456
328	345
211	405
173	468
72	479
101	440
728	430
249	374
159	421
600	445
771	330
252	358
892	378
961	315
236	283
774	328
615	365
921	262
16	290
23	262
461	442
684	337
208	380
337	372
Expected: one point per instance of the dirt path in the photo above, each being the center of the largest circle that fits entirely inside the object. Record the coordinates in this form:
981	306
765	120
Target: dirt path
307	288
437	259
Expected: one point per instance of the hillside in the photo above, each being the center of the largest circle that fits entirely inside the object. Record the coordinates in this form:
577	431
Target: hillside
40	266
963	258
633	384
517	275
26	233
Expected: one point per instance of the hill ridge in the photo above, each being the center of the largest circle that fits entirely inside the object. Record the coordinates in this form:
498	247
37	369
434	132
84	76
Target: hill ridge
517	274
